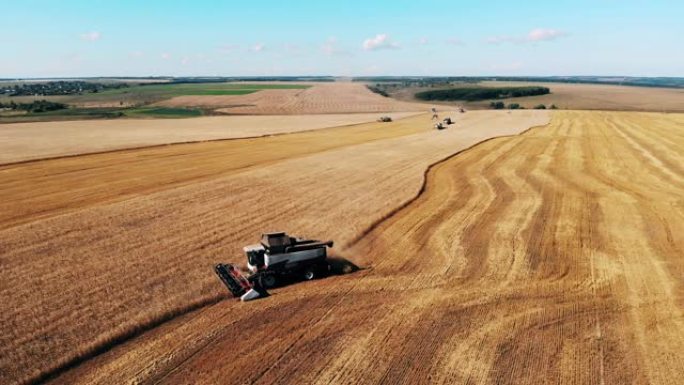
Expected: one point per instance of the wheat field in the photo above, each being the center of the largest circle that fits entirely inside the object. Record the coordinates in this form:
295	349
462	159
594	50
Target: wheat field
31	141
320	98
506	249
82	277
536	258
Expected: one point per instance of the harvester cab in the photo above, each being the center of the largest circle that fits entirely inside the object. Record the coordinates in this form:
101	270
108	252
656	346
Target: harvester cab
276	257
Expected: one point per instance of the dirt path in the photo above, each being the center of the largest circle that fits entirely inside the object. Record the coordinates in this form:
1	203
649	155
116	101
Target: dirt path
81	280
550	257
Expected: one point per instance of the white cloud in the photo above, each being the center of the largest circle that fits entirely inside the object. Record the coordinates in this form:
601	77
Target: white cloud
91	36
136	54
423	41
185	60
535	35
259	47
542	34
166	56
380	41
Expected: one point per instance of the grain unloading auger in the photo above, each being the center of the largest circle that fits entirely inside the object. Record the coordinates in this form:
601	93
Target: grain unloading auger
276	257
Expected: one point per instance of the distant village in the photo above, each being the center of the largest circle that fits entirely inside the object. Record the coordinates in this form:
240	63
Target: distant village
62	87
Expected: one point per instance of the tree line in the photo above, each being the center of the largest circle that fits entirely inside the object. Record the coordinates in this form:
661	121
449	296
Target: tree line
378	90
481	93
34	106
499	105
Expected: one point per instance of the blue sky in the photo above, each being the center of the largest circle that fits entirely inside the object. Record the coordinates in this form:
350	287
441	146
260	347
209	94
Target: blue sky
344	38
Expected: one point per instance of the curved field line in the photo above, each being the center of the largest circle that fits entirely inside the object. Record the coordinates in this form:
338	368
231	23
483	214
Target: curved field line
142	328
423	186
97	349
593	237
50	237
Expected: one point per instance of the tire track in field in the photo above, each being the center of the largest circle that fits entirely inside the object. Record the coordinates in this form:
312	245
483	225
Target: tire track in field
655	317
370	359
585	309
548	257
656	133
399	336
658	163
551	255
179	238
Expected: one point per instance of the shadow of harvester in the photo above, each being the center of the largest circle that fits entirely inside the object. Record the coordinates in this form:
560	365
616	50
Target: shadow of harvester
340	266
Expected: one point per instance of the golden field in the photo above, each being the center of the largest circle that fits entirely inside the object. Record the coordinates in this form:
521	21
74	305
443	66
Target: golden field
513	247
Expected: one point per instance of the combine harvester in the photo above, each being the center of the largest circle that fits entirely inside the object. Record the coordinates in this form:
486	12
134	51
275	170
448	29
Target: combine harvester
276	257
444	123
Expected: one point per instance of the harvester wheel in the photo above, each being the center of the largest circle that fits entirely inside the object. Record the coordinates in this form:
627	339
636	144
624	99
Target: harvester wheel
268	280
309	274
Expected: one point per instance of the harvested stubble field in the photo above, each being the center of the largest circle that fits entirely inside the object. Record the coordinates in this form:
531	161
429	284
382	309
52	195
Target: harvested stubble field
114	279
551	256
599	97
320	98
578	96
25	141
